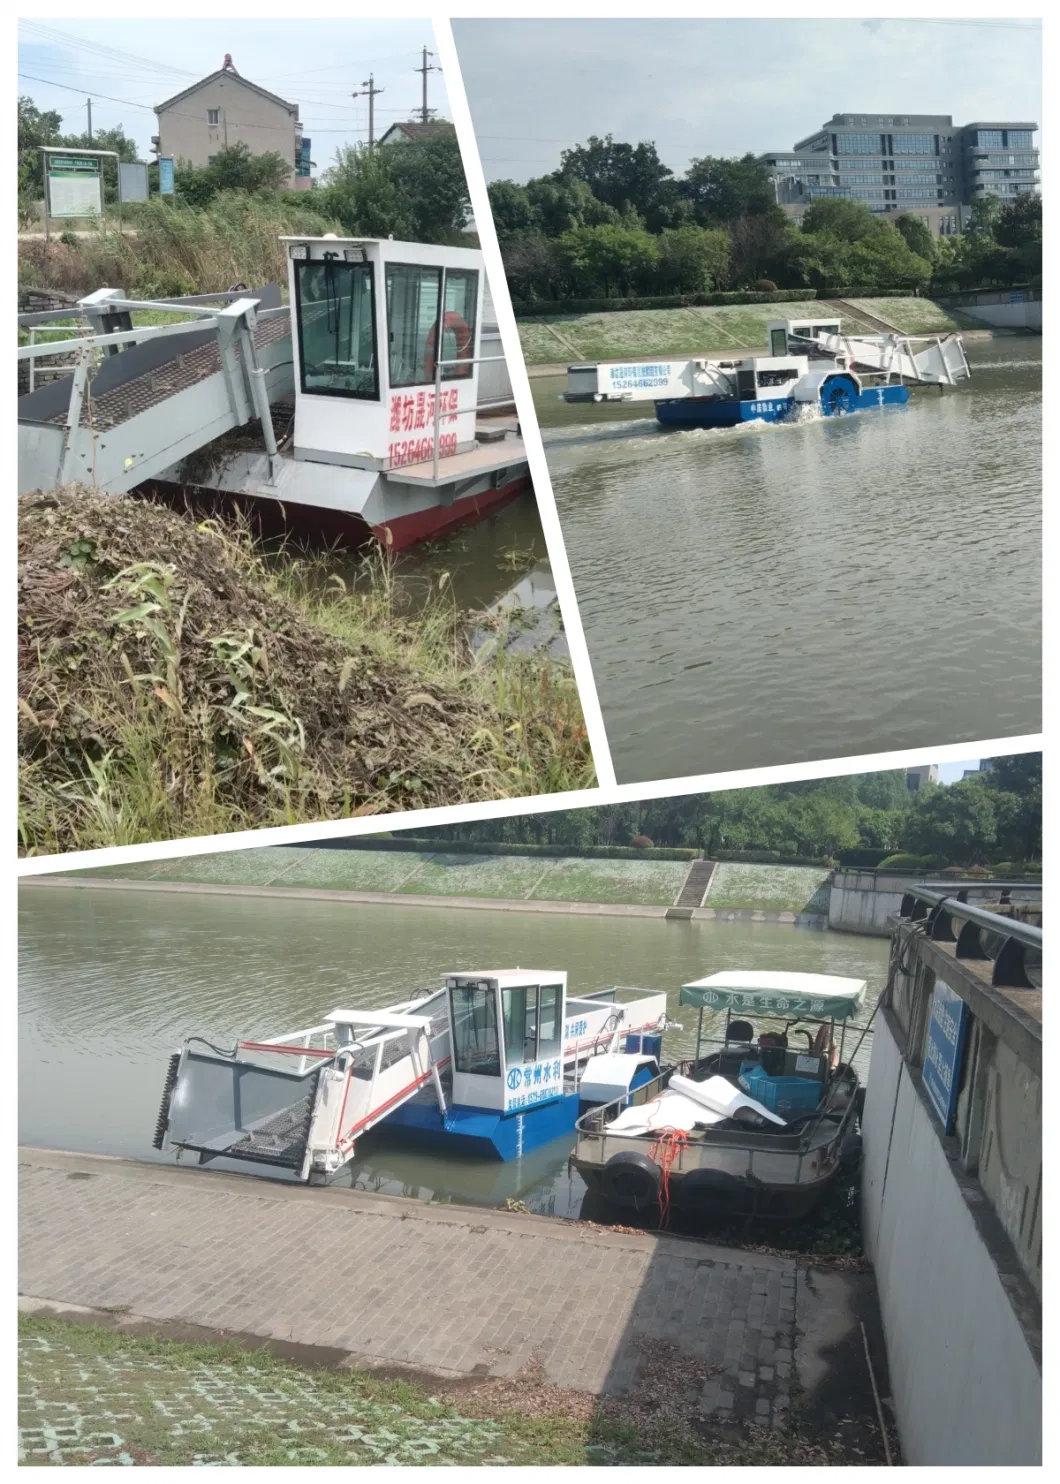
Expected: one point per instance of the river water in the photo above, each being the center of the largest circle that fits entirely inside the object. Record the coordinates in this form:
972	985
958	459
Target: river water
771	594
110	982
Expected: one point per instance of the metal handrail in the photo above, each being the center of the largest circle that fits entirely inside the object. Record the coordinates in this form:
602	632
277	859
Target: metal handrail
439	367
995	922
1014	946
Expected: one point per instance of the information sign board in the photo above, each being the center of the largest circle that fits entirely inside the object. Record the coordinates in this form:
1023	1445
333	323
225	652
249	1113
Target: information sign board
74	186
942	1054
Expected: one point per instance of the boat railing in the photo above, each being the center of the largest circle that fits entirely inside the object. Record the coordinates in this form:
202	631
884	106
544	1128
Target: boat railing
492	406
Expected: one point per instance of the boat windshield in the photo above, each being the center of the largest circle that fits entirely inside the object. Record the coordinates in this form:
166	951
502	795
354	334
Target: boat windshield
473	1017
335	303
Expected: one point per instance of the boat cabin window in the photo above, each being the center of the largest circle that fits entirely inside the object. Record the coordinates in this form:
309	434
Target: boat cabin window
458	323
412	297
473	1018
519	1011
335	303
746	387
413	294
778	342
550	1035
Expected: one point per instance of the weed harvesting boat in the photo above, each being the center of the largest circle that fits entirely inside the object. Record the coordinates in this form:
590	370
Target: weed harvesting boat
494	1064
756	1127
811	365
381	351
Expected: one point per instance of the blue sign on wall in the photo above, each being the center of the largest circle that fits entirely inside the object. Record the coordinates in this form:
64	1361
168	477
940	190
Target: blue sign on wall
942	1054
166	177
1016	297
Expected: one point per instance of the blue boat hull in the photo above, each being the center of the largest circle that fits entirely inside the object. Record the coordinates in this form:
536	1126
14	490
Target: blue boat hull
485	1134
718	412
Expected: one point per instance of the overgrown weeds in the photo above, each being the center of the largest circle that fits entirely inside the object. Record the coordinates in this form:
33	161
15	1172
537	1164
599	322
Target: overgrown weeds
176	249
174	682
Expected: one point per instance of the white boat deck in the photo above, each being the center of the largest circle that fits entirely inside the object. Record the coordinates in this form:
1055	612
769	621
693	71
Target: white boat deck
499	453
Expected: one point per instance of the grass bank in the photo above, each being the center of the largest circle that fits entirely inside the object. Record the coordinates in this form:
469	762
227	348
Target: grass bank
424	873
174	682
176	249
90	1395
724	327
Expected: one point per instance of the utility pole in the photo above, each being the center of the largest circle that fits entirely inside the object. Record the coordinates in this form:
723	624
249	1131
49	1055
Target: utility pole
425	112
90	120
371	92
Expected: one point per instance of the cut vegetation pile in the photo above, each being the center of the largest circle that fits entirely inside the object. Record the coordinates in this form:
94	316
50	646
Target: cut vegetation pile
173	683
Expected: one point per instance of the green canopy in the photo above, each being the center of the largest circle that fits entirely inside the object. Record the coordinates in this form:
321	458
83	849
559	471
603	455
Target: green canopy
824	996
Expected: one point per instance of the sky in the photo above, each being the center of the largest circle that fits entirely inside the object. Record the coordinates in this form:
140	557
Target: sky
144	62
723	87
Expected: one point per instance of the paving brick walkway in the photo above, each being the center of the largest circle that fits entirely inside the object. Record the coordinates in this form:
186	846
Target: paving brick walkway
391	1282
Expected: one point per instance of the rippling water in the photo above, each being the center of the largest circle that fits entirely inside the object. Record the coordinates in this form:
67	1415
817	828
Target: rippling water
838	585
111	982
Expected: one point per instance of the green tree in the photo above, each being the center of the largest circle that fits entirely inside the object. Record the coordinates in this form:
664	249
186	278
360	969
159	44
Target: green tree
917	235
958	822
233	169
692	260
431	174
840	217
624	176
34	129
559	204
608	260
513	215
885	259
359	190
721	190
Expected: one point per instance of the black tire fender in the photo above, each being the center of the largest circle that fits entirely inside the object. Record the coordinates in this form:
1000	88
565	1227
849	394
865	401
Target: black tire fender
632	1180
703	1189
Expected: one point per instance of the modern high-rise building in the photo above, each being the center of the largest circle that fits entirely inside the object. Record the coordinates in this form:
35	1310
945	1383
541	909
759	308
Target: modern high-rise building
917	163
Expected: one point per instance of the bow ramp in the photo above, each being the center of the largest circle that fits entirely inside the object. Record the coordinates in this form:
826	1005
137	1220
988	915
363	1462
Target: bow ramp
299	1102
140	399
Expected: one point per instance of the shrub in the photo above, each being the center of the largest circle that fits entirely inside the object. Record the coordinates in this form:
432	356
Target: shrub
765	286
866	857
500	847
903	861
772	858
68	238
641	842
529	308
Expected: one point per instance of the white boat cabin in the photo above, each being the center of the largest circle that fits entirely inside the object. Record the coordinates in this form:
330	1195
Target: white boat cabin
386	336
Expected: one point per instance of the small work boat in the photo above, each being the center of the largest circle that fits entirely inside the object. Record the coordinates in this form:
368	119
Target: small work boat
811	365
761	1125
493	1064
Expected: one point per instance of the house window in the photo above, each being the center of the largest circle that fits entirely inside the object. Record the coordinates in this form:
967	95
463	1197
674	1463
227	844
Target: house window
213	115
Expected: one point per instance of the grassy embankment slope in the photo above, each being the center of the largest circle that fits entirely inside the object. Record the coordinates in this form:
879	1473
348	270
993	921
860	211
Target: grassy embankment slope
647	882
557	339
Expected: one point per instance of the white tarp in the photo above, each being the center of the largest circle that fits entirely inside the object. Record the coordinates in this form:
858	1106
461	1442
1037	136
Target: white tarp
686	1105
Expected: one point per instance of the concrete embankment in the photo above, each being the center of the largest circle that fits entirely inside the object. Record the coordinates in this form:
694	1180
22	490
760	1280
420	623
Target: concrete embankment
573	885
357	1279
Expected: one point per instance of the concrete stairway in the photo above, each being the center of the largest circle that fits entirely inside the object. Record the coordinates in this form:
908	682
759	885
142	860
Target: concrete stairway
696	883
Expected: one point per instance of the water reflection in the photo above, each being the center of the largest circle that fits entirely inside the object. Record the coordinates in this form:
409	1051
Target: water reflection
778	592
111	981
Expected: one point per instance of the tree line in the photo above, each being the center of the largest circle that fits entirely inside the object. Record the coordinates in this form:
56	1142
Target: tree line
614	221
414	191
992	816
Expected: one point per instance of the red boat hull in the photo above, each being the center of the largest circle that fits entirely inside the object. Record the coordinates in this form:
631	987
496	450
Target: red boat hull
427	525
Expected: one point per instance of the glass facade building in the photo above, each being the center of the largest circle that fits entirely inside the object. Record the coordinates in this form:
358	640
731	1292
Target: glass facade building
900	162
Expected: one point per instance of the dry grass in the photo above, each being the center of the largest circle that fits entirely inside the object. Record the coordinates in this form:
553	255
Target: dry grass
176	249
172	683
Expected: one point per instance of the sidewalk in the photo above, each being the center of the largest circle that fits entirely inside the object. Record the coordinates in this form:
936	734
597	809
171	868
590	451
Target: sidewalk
377	1281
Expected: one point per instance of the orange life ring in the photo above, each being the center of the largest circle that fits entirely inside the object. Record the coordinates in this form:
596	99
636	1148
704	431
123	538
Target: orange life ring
459	326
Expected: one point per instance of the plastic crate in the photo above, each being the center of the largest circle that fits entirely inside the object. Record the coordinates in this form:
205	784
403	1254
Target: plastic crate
782	1095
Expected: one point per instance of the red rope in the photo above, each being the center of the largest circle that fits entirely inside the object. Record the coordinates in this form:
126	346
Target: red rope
666	1149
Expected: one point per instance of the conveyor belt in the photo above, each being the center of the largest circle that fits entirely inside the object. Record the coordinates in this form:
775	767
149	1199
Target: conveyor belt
154	386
